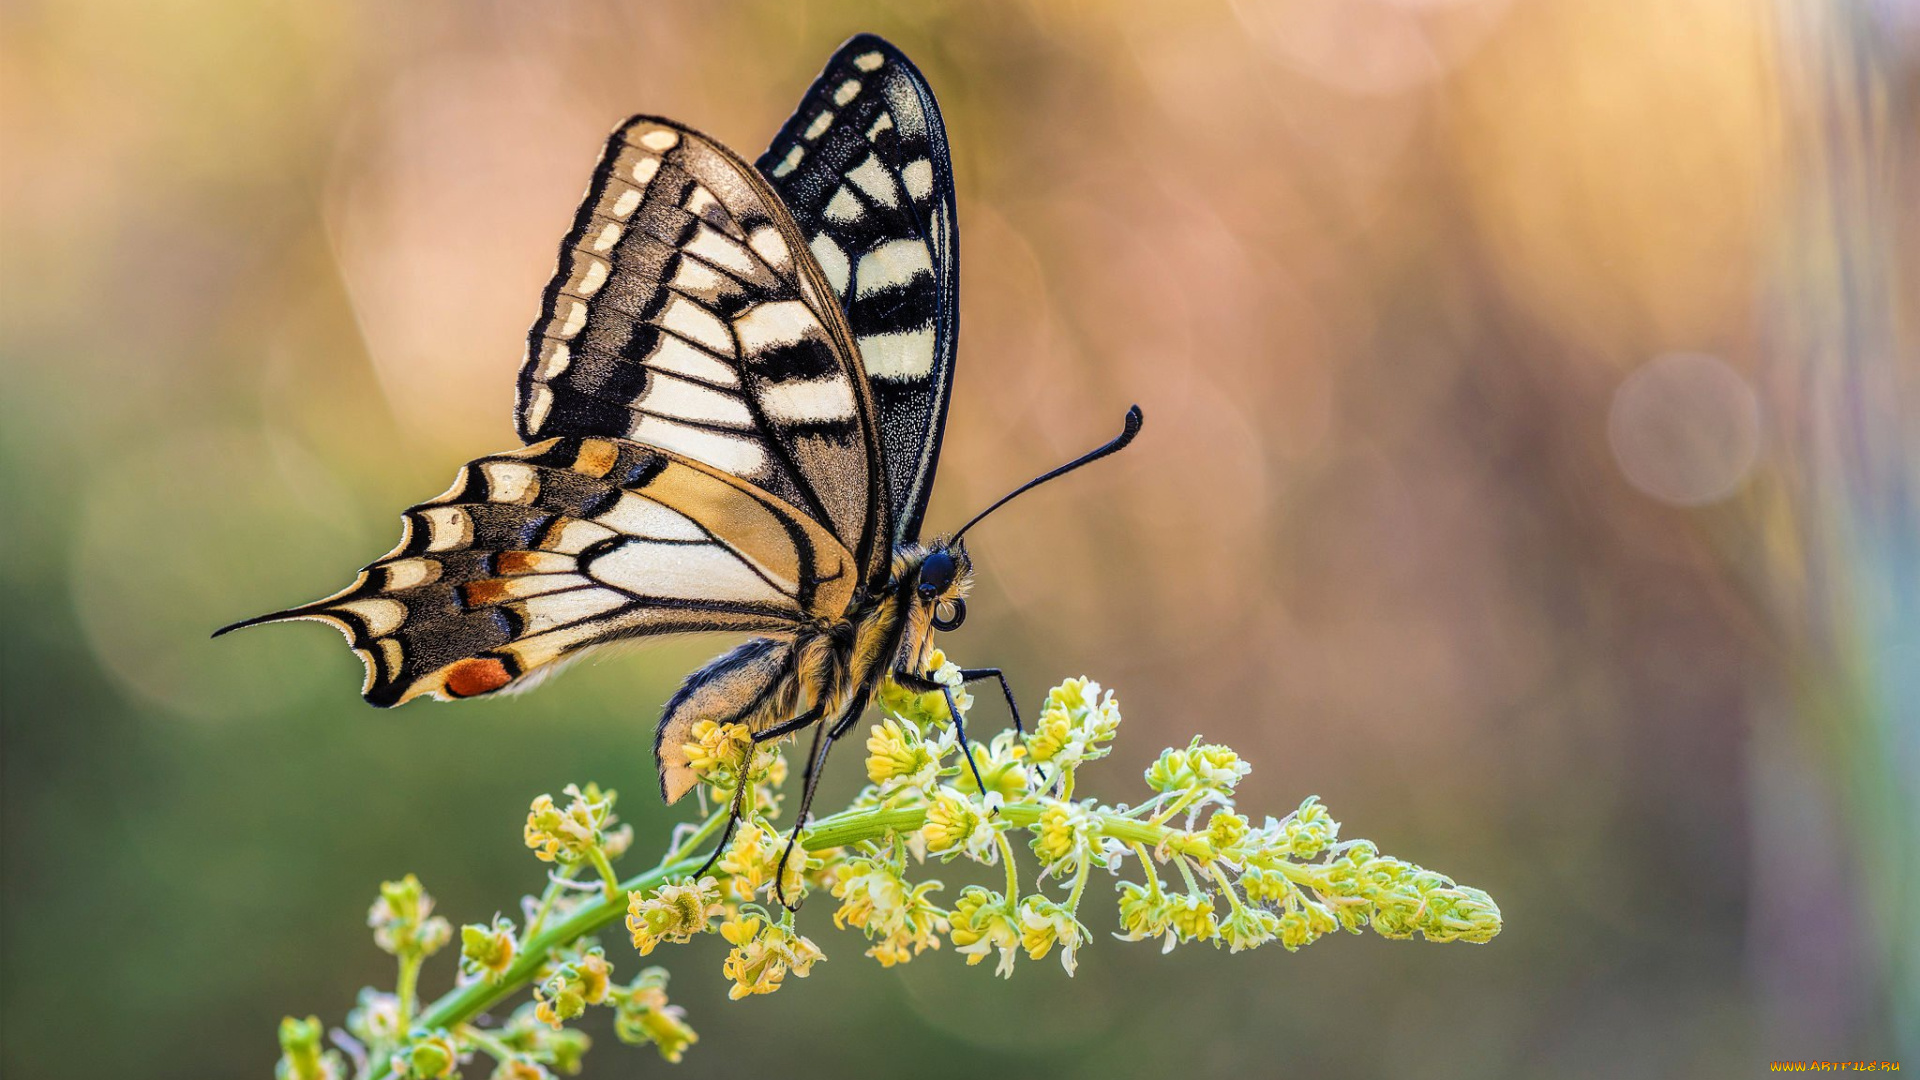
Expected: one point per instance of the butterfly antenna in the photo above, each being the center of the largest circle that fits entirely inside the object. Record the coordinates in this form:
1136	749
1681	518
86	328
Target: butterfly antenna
1119	443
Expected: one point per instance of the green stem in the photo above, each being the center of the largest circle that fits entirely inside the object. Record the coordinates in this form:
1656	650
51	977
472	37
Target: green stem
1187	873
1226	887
495	1049
1013	870
1146	863
1079	884
600	863
404	987
554	885
1186	799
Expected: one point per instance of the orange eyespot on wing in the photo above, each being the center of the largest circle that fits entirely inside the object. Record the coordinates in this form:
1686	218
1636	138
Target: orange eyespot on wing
475	676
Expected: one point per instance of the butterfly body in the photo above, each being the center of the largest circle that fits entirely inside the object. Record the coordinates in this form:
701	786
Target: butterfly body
823	674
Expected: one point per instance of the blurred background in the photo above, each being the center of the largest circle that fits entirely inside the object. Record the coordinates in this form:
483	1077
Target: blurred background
1531	472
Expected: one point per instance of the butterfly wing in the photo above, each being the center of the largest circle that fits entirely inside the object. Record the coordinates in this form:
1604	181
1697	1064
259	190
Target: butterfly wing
688	314
535	555
864	169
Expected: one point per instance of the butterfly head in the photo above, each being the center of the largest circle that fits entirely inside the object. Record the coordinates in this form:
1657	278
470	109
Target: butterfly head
945	573
942	582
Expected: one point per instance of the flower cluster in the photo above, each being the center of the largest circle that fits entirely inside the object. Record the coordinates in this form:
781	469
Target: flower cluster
715	753
403	921
1192	869
642	1016
582	832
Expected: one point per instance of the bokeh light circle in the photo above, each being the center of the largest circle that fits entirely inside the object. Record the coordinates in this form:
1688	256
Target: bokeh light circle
1685	428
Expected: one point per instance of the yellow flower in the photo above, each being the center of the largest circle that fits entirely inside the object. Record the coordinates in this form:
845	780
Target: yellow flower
897	916
1002	766
674	913
750	860
1265	886
1208	770
769	767
1225	829
1308	831
1044	924
301	1057
716	752
488	951
1145	912
898	756
1191	917
982	921
1065	832
595	972
1248	927
761	959
568	836
1075	723
927	710
572	987
1049	735
642	1015
956	824
403	921
1459	913
1302	923
755	855
432	1056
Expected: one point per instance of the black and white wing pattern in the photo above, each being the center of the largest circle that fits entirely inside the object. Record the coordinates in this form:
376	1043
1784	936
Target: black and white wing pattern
688	314
864	169
535	555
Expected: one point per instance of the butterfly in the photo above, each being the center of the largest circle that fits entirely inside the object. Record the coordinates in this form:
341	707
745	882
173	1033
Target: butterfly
733	402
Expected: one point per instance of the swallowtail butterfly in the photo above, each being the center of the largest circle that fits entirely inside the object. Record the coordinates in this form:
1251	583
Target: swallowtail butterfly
733	401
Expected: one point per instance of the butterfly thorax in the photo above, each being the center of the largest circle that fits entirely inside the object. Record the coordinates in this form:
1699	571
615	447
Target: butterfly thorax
825	673
887	630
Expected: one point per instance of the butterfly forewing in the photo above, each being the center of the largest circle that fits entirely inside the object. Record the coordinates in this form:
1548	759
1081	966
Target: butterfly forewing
534	555
688	314
864	169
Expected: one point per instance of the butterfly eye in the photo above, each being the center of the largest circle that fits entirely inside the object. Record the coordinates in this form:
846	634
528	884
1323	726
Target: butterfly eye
936	574
944	621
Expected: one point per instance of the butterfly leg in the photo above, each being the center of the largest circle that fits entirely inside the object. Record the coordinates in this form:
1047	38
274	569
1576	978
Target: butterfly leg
809	781
920	684
739	808
734	813
978	674
968	675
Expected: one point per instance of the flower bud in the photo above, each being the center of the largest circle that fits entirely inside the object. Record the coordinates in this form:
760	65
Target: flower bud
403	921
487	951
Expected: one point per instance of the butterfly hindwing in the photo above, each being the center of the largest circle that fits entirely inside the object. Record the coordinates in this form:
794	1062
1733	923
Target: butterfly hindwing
688	314
535	555
863	167
754	684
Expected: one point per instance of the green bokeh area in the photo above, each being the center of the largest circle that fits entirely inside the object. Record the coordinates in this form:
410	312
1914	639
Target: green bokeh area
1527	472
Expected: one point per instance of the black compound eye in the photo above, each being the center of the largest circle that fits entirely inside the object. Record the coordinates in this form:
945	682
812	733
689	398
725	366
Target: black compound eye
959	609
936	573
